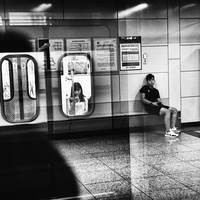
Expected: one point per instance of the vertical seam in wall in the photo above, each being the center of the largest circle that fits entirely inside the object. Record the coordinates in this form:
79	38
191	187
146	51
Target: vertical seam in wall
168	48
180	55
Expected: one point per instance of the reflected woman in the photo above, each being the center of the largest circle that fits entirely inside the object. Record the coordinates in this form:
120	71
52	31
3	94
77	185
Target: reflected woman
78	103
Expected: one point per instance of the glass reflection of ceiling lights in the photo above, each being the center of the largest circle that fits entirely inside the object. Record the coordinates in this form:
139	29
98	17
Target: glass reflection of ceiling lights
189	6
26	18
134	9
37	16
1	21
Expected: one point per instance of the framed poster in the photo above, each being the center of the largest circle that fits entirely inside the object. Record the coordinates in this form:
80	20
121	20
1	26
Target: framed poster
78	45
76	86
130	53
54	48
105	54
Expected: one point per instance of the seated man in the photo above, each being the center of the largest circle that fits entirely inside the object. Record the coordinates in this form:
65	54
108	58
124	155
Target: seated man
151	99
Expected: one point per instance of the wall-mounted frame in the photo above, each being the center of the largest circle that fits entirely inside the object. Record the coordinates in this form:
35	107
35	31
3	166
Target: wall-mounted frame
130	53
81	45
76	84
105	54
53	49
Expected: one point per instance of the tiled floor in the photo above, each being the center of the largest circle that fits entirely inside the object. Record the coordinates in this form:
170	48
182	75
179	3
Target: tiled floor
135	166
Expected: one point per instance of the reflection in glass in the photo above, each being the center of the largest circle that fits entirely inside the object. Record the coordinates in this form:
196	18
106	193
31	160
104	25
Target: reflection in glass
76	84
78	102
6	80
31	79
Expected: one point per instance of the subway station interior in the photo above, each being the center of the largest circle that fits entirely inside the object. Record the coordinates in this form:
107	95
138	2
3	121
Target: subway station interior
72	121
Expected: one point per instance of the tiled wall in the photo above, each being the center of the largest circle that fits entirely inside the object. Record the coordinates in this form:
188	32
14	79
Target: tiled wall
190	60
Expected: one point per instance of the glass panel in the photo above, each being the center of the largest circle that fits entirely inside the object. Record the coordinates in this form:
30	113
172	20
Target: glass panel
189	30
153	31
90	9
1	12
189	9
83	28
142	9
34	11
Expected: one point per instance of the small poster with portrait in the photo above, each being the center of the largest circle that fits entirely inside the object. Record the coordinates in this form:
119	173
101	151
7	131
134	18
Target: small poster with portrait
76	84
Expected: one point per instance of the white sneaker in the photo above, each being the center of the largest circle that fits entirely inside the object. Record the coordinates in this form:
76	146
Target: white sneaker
175	130
171	133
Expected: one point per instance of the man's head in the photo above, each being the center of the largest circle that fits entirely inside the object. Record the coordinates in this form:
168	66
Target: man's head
150	80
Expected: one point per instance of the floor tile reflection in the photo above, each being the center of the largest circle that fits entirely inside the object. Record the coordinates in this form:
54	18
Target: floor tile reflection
142	165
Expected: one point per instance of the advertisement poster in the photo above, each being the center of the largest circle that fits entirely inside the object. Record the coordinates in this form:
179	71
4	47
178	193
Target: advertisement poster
130	53
78	45
53	49
76	84
105	54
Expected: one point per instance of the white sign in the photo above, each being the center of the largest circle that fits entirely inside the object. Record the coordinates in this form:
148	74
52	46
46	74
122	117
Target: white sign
105	54
130	56
78	45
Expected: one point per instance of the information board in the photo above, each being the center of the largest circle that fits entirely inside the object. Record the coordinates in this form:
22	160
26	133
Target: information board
130	53
105	54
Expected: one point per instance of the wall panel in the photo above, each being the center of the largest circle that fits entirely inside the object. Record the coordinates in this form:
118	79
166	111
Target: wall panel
189	9
102	89
51	9
189	31
190	111
174	84
31	32
151	31
90	9
190	84
79	31
157	59
190	57
140	9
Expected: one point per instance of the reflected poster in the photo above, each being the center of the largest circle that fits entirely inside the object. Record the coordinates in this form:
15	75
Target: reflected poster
76	84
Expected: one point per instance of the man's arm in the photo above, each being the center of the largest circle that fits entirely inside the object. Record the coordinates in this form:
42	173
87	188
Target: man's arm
144	100
159	100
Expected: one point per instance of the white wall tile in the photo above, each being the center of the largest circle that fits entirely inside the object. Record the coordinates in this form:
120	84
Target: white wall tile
152	31
189	31
174	84
102	89
190	109
157	59
190	84
190	57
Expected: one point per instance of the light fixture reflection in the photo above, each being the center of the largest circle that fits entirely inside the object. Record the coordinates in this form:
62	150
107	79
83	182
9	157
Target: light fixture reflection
132	10
1	21
43	7
188	6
